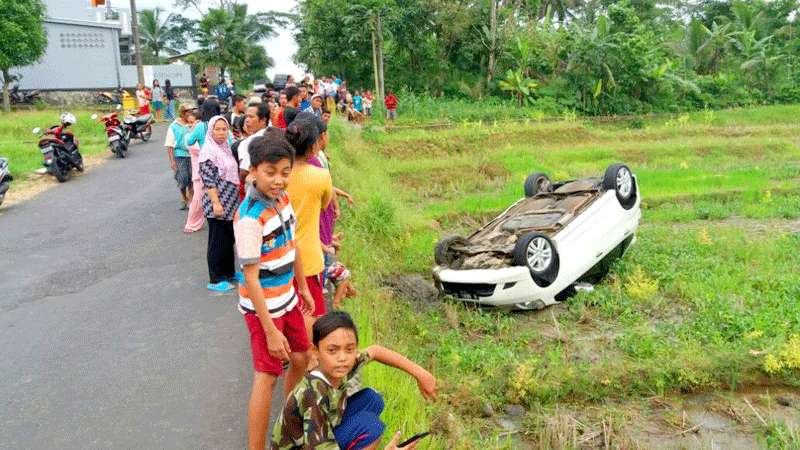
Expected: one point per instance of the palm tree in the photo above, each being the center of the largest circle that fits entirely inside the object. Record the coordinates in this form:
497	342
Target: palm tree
225	35
705	47
156	31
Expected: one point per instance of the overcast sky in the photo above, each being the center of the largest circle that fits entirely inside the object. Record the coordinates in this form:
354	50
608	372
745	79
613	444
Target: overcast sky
280	48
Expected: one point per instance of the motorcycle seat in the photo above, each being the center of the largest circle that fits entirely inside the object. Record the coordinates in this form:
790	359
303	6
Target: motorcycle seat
143	119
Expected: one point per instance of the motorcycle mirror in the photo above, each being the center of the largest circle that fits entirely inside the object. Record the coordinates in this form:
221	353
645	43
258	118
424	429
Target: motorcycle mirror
119	107
94	116
36	130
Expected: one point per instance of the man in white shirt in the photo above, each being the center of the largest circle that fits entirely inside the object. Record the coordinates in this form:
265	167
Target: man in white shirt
256	119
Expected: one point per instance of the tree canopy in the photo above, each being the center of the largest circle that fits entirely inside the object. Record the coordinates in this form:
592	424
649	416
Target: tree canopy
593	56
22	37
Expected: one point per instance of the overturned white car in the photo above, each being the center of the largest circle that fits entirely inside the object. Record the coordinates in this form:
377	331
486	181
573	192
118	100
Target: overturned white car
535	252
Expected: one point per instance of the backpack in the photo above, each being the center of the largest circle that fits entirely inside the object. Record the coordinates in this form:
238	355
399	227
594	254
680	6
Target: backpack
222	91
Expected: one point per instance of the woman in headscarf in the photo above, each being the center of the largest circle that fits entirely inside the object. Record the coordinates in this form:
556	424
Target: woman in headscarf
220	173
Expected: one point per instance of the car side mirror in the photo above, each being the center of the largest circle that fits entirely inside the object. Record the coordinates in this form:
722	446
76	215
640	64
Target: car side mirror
36	130
94	116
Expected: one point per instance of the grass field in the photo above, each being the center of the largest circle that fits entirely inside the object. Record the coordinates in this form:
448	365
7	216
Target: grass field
707	303
18	144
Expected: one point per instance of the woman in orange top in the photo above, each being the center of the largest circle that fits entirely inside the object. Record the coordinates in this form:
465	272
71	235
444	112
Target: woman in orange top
310	190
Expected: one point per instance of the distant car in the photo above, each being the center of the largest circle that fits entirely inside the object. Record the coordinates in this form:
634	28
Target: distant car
260	86
533	254
279	81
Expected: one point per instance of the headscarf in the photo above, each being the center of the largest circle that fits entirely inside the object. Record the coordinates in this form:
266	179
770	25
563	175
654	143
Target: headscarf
220	154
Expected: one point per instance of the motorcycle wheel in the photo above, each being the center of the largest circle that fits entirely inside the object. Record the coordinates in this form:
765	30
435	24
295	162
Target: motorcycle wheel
118	149
78	161
61	173
146	133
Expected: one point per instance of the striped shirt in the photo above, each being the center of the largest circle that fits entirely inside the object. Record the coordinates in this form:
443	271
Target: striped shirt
265	235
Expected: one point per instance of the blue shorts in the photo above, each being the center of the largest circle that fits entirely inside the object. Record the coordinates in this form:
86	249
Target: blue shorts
361	424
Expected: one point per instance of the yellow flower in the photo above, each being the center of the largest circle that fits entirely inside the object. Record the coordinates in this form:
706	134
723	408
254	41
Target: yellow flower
755	334
771	364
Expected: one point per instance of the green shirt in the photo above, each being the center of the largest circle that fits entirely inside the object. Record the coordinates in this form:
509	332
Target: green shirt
314	409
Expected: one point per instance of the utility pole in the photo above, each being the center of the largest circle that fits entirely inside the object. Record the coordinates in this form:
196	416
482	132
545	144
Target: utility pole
137	49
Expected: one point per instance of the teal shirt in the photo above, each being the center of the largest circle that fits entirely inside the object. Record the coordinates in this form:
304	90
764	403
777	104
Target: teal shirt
179	131
198	135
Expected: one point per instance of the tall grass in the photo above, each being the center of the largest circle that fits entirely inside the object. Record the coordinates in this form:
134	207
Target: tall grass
419	108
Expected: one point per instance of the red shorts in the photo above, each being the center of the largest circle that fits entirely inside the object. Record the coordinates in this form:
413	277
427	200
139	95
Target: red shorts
315	287
291	325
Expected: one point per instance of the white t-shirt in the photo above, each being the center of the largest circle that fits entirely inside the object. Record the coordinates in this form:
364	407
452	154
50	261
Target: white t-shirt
244	149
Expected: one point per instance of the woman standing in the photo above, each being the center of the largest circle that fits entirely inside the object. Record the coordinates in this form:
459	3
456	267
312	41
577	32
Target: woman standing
196	218
311	191
169	94
158	99
220	173
142	100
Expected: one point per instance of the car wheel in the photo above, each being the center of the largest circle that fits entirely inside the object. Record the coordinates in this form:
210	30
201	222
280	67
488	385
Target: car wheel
536	183
441	254
538	253
618	177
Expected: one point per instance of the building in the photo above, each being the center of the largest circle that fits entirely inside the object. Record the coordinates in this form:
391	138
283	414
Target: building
89	48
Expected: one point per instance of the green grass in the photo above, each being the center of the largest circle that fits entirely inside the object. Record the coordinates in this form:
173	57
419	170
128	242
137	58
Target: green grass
709	290
19	144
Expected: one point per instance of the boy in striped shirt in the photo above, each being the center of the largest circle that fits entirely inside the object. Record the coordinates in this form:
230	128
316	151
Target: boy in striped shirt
264	227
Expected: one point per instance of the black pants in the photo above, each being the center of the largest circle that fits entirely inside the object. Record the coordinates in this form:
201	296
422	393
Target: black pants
220	256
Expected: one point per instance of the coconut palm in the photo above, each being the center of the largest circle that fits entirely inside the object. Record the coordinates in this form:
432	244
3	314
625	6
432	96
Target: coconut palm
156	32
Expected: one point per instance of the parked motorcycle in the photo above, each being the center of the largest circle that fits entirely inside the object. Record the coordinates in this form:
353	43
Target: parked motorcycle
116	132
59	148
18	97
5	178
112	97
138	127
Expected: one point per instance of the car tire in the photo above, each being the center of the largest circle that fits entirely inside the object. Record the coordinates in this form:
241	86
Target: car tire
441	254
536	183
537	252
619	178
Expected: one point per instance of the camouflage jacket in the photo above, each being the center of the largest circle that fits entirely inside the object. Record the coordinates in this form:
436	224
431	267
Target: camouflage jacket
314	409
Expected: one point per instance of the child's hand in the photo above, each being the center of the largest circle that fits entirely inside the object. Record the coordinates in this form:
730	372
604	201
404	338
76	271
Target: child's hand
329	249
337	211
278	346
307	306
349	199
392	445
427	385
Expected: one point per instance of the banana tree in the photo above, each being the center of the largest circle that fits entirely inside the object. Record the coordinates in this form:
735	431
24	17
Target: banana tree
519	86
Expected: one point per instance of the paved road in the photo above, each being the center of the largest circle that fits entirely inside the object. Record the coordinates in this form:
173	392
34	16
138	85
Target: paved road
108	336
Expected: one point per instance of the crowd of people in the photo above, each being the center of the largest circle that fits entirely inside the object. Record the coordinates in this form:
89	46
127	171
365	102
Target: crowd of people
258	171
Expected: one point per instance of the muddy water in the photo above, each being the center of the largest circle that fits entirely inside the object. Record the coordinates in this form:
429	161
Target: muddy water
719	420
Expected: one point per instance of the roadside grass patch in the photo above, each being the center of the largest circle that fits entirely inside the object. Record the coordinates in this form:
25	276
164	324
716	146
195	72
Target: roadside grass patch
19	144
